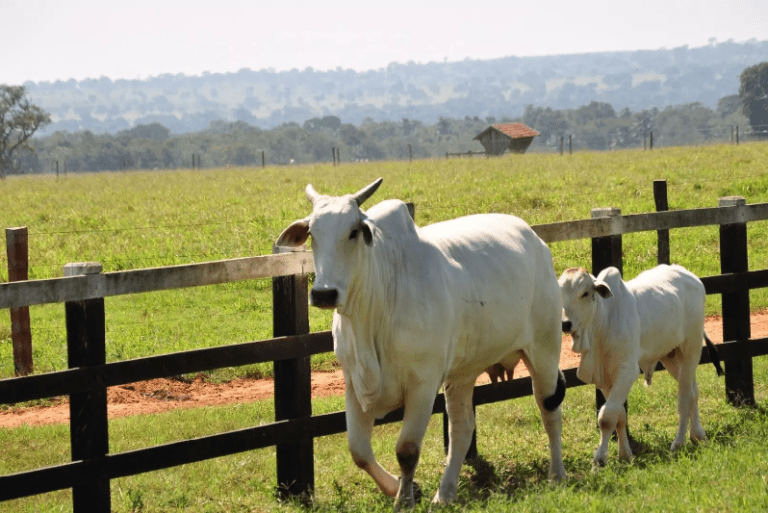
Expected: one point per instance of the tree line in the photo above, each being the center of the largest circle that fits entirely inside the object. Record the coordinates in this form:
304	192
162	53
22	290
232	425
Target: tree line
593	126
494	87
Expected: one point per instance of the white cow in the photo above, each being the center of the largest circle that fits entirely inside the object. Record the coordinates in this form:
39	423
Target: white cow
420	308
623	328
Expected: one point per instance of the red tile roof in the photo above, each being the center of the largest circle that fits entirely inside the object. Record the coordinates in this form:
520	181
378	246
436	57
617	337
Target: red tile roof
515	130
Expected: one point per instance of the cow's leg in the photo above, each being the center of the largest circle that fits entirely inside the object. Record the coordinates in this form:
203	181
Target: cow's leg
549	391
359	431
418	411
461	424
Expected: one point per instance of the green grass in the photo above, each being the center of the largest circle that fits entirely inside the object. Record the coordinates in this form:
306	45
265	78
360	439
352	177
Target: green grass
727	473
149	219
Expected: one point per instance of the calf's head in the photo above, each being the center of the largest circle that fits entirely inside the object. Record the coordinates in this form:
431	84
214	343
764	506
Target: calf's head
340	231
580	290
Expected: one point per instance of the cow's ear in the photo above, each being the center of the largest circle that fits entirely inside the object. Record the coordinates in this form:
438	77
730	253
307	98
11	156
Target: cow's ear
603	289
367	228
295	235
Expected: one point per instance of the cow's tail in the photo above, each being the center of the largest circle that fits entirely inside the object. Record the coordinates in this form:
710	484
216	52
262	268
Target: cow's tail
714	355
553	401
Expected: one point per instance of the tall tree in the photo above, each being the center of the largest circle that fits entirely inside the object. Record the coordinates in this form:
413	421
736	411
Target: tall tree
754	97
19	120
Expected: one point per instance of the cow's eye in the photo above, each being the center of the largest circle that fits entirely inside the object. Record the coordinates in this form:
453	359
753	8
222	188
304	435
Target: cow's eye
584	295
353	234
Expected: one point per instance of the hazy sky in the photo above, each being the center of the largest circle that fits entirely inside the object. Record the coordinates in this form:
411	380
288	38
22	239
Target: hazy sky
63	39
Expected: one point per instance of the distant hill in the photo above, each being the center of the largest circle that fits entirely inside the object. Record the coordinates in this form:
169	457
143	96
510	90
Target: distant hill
498	88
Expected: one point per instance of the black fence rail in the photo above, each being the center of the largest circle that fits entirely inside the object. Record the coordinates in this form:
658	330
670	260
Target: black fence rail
84	288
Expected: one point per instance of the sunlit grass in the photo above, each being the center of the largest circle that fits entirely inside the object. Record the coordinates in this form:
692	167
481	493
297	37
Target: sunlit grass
727	473
150	219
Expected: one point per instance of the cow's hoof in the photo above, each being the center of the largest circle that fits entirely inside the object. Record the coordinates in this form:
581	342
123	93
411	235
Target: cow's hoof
402	504
417	493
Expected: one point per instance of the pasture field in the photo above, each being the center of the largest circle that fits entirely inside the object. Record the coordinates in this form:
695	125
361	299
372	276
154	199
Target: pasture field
151	219
729	472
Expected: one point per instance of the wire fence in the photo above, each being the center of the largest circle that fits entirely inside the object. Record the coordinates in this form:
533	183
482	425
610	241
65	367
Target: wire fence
238	225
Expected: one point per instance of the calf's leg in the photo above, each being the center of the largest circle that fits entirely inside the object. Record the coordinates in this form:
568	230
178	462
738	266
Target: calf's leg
613	417
684	371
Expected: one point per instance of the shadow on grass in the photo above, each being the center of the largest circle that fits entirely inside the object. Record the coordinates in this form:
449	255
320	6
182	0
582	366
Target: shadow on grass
482	479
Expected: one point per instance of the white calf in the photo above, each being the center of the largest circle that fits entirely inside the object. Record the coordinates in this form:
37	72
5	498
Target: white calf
620	328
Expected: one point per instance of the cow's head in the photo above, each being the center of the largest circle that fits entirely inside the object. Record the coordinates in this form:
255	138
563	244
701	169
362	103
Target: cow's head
580	290
340	230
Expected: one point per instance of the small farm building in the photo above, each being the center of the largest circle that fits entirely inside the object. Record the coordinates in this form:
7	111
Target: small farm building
515	137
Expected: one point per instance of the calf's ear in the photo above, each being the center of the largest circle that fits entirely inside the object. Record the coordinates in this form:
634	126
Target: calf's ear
295	235
603	289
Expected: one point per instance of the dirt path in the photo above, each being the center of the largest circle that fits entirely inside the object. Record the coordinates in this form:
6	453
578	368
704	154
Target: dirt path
160	395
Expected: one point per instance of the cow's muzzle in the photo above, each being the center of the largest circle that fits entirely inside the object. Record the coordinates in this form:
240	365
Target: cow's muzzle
567	327
324	298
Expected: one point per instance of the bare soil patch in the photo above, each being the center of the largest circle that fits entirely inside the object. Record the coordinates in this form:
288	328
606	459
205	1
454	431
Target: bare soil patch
160	395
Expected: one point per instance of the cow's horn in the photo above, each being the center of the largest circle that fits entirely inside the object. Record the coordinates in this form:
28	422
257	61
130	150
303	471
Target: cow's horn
311	193
366	192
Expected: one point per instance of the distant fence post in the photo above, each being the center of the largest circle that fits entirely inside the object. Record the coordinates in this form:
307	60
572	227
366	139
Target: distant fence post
660	197
606	252
650	141
293	386
17	245
333	153
737	135
570	145
262	160
739	384
88	410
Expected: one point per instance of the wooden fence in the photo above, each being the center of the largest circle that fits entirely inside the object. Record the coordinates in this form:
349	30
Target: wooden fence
84	288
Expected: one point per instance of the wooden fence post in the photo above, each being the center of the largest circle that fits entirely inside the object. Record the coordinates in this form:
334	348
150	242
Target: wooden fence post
739	385
650	141
88	410
660	197
606	252
17	245
570	145
293	386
